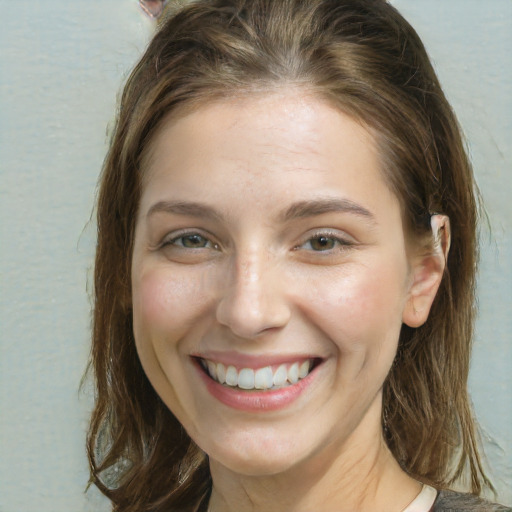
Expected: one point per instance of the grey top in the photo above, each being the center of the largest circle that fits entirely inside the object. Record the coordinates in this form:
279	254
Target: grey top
450	501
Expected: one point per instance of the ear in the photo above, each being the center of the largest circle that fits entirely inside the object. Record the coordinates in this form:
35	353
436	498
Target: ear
427	273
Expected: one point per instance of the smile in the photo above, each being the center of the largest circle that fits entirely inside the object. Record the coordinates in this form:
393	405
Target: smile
266	378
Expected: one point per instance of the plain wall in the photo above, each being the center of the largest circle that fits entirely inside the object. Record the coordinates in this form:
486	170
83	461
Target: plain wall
61	65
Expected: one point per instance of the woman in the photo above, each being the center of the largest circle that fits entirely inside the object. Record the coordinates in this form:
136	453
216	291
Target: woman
285	269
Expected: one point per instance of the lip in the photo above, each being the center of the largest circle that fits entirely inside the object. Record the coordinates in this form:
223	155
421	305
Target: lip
251	400
254	362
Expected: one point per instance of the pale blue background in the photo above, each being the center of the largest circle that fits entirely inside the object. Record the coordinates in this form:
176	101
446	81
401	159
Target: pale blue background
61	64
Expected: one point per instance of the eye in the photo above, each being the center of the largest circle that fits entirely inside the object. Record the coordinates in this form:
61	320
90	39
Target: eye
189	241
325	242
189	247
322	243
192	241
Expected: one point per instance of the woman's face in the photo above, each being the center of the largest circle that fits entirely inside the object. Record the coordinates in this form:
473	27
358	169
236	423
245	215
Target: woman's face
269	252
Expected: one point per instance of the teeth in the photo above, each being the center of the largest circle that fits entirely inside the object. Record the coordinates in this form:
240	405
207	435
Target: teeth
293	373
262	378
231	376
304	369
212	369
246	379
221	373
280	376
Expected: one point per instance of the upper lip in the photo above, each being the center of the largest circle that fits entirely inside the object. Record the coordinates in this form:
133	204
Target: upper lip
240	360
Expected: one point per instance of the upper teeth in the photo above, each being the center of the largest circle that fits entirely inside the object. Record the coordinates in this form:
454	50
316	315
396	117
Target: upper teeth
261	378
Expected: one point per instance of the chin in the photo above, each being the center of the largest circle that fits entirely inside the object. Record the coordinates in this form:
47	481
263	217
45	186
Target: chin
255	465
256	457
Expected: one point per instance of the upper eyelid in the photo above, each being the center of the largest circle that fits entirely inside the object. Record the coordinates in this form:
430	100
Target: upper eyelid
328	233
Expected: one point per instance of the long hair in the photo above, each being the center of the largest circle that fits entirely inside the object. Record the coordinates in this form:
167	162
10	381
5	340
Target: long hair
362	57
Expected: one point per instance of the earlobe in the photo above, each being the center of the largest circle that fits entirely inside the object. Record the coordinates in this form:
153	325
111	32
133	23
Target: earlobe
427	273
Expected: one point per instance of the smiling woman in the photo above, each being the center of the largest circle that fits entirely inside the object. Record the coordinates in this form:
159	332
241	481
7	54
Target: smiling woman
285	270
289	288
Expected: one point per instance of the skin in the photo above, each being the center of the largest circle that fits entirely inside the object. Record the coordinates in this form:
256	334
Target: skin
249	281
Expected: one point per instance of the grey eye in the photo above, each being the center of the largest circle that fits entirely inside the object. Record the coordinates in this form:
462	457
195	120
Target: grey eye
192	241
323	243
153	8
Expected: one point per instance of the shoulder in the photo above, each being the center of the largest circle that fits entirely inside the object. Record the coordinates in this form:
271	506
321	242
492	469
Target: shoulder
451	501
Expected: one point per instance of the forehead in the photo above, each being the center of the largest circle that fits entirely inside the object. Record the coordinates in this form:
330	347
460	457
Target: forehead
292	127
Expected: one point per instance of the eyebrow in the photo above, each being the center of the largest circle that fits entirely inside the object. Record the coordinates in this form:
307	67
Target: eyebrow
188	208
300	209
312	208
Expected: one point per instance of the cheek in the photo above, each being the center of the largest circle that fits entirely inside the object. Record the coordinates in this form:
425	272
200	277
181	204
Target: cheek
166	303
166	306
359	308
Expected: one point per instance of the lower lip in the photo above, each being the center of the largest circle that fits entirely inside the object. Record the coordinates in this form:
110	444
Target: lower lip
255	401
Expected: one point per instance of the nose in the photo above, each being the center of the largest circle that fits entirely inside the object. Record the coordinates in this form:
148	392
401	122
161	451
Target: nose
254	298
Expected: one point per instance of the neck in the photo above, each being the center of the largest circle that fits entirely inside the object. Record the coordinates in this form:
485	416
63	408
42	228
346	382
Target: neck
357	475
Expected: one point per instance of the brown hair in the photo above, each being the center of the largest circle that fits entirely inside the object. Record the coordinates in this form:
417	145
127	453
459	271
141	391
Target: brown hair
363	57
